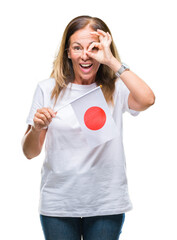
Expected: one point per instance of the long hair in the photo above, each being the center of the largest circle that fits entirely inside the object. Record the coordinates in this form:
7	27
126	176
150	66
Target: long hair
62	66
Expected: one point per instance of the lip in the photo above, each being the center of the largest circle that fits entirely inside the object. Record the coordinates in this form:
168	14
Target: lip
86	70
85	63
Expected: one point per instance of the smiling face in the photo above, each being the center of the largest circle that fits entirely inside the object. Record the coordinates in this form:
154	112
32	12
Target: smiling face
85	68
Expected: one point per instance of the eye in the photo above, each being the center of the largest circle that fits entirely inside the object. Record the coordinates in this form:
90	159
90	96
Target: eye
94	49
77	48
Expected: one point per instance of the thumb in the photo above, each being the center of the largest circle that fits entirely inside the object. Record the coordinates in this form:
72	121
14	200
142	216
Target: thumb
91	54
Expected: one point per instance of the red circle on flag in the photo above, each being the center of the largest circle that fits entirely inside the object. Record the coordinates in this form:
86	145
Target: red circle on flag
94	118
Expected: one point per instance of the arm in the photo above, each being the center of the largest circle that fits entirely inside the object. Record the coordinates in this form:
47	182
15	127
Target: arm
32	142
34	137
141	96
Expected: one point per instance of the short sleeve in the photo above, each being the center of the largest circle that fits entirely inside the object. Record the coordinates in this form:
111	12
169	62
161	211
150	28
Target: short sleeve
125	94
37	103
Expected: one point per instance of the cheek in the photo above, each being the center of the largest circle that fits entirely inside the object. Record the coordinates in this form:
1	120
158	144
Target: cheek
97	65
73	58
74	61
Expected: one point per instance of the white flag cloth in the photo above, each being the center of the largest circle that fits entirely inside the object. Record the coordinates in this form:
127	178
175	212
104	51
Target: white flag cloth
94	117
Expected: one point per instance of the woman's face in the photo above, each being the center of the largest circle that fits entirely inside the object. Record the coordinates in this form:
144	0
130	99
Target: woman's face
85	68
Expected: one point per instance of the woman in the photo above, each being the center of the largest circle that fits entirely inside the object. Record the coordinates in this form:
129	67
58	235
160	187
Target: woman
83	190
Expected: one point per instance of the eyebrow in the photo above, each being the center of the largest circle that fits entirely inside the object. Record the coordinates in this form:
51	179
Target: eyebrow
81	44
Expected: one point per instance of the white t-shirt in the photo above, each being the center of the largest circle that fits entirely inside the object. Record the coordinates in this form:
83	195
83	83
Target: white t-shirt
78	181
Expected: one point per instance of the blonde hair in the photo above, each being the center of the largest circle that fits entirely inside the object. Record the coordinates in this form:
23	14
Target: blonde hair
62	66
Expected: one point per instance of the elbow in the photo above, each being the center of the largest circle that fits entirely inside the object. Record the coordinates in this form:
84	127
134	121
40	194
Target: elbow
24	149
27	155
29	151
30	155
149	101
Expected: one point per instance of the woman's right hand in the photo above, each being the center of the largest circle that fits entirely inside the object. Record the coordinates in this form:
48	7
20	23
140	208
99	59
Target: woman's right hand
43	118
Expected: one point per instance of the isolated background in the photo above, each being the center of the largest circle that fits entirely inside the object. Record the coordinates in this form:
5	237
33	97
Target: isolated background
145	35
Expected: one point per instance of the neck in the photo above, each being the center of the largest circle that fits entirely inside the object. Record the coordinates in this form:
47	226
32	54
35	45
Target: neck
84	81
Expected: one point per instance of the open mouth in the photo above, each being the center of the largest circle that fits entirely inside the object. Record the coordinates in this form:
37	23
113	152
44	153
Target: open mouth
86	66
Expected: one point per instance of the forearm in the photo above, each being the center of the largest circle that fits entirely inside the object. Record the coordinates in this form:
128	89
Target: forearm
140	91
31	143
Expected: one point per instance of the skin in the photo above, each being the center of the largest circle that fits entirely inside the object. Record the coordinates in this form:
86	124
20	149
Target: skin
92	48
80	42
34	137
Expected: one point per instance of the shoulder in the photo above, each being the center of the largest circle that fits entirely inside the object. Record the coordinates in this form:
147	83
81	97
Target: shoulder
119	84
46	86
43	91
48	83
120	87
121	90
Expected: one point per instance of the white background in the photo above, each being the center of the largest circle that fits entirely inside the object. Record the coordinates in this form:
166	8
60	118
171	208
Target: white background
145	35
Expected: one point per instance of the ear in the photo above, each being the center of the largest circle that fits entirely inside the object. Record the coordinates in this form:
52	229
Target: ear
69	55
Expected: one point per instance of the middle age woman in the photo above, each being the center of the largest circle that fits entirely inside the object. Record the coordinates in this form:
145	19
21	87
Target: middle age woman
83	190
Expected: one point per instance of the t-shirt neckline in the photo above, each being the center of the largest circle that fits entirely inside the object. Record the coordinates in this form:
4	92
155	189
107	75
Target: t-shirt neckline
82	87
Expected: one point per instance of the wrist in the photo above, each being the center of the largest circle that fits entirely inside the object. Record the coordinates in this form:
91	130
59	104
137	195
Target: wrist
123	68
35	130
114	64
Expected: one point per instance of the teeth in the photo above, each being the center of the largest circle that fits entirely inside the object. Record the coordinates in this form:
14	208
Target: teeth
86	65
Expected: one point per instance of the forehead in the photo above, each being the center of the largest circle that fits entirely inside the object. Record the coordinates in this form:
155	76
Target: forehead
84	36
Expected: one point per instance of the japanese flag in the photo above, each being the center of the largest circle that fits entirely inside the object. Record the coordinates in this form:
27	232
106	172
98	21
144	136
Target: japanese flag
94	117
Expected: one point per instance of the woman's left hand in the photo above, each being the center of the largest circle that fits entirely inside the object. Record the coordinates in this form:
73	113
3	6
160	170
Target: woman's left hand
101	51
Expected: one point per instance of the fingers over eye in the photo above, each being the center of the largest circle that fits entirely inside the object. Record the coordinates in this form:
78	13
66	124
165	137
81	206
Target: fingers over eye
93	46
103	36
101	32
109	37
95	33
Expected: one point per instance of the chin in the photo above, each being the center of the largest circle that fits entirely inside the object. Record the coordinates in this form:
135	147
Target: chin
88	77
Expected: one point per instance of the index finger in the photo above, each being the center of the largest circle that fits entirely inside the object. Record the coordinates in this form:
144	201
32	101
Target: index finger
94	44
101	32
95	33
52	113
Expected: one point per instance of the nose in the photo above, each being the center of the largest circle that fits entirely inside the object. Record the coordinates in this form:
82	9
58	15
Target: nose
84	55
